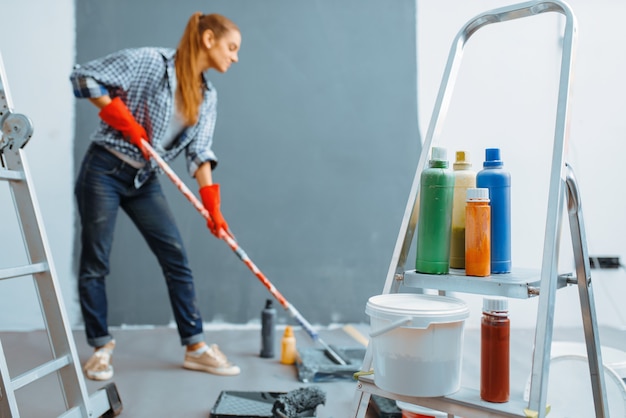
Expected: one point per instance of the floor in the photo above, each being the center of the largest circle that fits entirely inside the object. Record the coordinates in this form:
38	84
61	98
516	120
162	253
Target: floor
152	383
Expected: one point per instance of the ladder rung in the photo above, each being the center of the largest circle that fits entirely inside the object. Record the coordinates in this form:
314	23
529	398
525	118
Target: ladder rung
40	371
11	175
23	271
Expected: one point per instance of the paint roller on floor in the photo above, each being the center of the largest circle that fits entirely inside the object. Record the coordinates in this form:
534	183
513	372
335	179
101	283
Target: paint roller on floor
229	239
315	366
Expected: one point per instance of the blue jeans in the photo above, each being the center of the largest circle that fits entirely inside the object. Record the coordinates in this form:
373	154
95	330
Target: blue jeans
104	184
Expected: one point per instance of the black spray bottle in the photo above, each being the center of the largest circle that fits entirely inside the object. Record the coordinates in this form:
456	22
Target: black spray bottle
268	327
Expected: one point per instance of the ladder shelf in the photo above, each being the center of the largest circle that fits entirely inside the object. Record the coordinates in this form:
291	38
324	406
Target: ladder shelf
465	402
521	283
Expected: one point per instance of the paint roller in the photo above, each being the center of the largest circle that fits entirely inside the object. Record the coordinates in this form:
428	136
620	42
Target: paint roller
299	400
229	239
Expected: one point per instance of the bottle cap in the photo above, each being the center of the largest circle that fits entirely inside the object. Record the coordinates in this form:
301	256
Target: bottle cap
478	194
495	305
492	158
439	153
288	331
268	303
462	161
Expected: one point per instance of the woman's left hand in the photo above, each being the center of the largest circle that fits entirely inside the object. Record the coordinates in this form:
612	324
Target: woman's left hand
211	201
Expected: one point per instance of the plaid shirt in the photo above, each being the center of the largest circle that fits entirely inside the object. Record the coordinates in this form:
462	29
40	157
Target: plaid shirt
144	78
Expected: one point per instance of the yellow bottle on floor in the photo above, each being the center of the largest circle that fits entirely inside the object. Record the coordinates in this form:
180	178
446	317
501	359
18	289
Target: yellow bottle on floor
288	347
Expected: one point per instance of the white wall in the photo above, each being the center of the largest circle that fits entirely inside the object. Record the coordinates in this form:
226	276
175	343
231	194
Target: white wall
505	97
37	39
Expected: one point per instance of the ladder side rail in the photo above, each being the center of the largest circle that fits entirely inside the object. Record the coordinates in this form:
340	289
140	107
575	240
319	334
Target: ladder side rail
549	269
545	314
8	403
360	402
585	290
6	103
54	314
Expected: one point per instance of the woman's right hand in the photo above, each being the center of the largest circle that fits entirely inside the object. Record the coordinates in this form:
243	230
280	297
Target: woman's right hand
118	116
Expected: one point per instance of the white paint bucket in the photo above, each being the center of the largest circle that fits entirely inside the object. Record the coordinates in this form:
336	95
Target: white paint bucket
417	343
569	384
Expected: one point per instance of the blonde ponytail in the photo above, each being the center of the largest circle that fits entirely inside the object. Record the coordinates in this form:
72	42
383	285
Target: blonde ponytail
189	90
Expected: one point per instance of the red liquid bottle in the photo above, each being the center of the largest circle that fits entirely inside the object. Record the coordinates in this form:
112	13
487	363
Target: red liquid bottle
494	350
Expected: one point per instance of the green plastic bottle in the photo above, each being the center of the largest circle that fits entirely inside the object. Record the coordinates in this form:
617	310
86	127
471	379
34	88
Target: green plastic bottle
435	215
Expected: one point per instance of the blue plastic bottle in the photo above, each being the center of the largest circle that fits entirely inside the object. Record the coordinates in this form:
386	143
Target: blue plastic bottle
494	177
435	215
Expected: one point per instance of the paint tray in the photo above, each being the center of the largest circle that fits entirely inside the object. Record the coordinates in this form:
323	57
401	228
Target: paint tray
250	405
314	365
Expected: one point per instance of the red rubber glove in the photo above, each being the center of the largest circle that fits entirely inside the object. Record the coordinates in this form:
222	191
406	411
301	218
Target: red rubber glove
117	115
211	200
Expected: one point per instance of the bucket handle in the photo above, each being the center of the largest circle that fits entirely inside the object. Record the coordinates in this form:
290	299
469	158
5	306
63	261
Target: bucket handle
398	323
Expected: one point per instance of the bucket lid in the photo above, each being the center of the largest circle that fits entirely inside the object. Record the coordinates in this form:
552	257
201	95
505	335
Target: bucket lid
424	309
416	409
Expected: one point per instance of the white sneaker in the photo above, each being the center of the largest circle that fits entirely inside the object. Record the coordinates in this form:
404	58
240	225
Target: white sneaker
99	367
211	360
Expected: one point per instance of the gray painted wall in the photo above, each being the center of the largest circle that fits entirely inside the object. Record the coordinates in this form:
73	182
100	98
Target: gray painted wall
318	140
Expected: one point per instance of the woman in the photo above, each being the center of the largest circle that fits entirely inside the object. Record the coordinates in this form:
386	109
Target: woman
160	95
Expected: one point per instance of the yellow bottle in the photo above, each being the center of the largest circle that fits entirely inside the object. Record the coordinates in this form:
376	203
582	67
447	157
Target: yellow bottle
288	347
464	178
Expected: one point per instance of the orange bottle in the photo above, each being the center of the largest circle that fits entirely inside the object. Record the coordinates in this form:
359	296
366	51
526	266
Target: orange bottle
477	233
288	351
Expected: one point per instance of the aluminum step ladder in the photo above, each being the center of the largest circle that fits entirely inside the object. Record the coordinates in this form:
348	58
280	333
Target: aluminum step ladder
17	130
543	284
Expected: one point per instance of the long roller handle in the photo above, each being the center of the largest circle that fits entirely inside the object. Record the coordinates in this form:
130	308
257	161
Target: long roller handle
228	238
